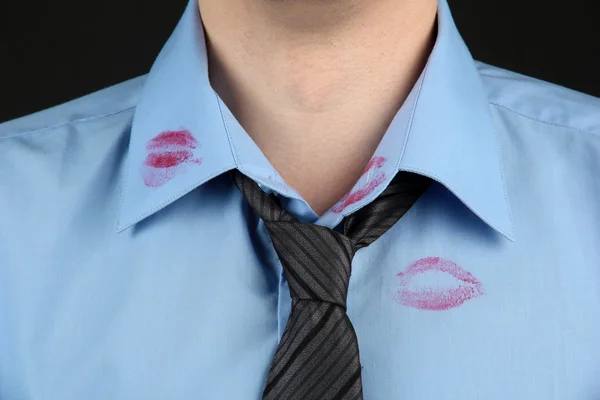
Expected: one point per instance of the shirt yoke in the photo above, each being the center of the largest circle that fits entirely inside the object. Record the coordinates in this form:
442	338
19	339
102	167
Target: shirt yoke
541	101
102	103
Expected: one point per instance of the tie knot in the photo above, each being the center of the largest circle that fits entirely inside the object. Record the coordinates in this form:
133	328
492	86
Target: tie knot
317	260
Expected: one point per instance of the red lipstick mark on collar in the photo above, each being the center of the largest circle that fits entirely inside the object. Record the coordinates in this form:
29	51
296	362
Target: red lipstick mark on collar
354	197
167	155
425	297
173	138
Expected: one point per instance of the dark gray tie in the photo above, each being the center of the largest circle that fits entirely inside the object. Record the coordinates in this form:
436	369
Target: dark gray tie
317	357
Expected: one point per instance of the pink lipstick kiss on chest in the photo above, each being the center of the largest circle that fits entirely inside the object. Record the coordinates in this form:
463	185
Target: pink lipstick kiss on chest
167	156
420	285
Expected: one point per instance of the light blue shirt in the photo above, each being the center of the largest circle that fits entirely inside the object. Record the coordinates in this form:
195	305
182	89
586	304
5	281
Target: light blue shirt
132	268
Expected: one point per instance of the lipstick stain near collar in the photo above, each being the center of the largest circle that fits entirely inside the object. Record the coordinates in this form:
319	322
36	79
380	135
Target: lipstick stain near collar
412	292
373	180
167	155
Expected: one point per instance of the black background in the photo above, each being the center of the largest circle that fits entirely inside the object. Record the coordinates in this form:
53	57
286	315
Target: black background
56	50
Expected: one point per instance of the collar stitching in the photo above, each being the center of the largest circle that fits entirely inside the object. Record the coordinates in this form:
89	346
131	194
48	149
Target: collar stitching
172	199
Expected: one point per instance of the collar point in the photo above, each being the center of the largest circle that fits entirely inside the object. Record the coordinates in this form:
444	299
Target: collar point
510	234
122	226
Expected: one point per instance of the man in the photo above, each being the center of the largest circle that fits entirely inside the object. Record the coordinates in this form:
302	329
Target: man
305	200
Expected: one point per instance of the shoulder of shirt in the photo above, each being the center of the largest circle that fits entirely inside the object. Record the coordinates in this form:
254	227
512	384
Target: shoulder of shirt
539	100
103	103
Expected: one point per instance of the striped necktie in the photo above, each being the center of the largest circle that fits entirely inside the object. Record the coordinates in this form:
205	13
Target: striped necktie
317	357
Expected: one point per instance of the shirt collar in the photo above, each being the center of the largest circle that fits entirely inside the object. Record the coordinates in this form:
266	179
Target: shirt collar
180	139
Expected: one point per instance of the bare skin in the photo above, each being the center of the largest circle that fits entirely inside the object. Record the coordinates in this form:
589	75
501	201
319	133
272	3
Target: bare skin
316	83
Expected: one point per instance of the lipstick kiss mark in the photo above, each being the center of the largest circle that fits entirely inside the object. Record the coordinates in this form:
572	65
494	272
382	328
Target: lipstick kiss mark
413	292
168	153
370	184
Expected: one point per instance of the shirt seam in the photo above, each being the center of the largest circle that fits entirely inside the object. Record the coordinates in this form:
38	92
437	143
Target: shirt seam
524	78
47	128
542	120
500	162
232	147
411	120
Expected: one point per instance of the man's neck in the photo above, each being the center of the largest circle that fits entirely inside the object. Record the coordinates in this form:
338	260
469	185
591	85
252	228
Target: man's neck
316	83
